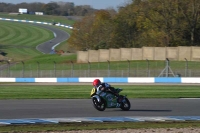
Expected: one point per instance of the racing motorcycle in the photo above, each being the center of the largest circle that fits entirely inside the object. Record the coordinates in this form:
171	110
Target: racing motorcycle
105	99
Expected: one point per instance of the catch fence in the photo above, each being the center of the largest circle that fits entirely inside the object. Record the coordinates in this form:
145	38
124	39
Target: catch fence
127	68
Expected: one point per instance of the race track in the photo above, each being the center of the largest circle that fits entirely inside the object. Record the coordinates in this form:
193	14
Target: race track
60	36
64	108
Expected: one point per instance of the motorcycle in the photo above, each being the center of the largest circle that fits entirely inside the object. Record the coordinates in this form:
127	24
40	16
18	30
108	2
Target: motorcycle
105	99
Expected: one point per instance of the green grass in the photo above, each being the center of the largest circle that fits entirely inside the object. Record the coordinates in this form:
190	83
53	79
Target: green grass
97	126
48	59
22	34
83	91
46	62
19	40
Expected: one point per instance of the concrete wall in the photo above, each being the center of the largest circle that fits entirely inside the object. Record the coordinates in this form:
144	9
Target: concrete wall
184	53
159	53
126	54
93	56
195	53
172	53
151	53
115	54
148	53
82	56
137	54
104	55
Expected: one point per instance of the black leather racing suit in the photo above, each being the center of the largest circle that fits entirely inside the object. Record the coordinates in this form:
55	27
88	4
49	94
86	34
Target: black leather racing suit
106	87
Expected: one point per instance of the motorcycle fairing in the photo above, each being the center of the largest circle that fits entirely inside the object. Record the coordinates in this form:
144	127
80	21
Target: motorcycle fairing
98	98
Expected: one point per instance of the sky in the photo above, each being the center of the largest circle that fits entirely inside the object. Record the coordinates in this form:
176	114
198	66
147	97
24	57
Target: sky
97	4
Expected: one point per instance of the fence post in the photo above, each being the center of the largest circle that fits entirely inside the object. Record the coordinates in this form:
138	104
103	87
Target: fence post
167	70
72	69
38	69
108	68
23	69
186	67
54	68
89	67
128	68
147	67
137	69
8	68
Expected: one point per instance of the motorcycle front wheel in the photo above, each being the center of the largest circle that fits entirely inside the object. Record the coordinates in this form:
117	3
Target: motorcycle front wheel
99	106
125	105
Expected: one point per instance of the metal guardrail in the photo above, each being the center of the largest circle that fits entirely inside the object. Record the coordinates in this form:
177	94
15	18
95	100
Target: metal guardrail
36	22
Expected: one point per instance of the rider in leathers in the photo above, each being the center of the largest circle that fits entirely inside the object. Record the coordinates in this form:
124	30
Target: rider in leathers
105	87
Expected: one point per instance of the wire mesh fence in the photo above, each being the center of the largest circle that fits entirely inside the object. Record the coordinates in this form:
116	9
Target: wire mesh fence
103	69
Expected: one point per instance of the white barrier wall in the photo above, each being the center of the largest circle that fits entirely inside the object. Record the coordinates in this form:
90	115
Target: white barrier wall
105	79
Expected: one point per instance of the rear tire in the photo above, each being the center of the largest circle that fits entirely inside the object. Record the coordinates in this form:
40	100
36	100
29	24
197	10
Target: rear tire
125	104
99	106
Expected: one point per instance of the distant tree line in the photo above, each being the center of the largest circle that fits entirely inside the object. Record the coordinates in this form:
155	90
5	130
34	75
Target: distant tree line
52	8
156	23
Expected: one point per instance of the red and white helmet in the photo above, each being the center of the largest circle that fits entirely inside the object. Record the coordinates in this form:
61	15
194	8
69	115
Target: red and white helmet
96	82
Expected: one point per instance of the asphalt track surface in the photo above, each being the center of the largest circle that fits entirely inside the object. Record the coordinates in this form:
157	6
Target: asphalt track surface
62	108
60	36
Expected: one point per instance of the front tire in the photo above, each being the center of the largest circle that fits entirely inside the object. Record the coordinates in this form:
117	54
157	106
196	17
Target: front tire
99	106
125	105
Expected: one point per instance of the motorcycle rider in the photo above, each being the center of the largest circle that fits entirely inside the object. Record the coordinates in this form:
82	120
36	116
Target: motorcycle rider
105	87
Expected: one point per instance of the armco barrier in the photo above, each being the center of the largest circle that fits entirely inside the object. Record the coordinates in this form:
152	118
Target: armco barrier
36	22
104	79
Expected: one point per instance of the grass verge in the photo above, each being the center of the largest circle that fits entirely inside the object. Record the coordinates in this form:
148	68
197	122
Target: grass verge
70	91
19	40
97	126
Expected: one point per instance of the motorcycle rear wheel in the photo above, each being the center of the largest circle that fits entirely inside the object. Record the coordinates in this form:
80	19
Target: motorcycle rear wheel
97	105
125	105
